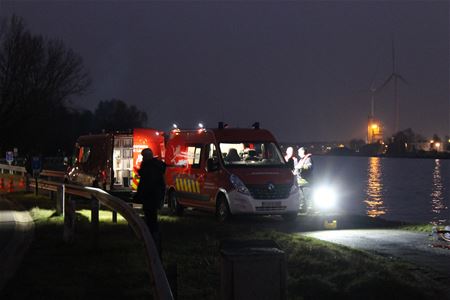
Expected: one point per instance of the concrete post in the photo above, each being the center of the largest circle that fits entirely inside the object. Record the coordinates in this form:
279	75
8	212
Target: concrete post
252	270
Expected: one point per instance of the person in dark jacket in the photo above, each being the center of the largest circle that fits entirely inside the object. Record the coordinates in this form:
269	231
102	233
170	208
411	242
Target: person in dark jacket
151	189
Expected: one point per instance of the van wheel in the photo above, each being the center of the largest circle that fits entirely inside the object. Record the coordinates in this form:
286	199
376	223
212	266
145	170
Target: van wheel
290	217
175	208
222	210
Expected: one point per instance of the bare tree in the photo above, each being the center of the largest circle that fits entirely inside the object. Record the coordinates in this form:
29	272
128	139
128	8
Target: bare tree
114	114
38	76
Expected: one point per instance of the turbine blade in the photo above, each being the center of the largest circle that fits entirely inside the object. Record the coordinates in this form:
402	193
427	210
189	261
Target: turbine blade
402	79
386	82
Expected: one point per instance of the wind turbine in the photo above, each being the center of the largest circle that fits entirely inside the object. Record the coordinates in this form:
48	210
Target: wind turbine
394	76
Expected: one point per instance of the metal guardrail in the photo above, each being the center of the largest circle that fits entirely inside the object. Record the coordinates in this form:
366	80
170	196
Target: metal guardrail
12	169
7	169
159	283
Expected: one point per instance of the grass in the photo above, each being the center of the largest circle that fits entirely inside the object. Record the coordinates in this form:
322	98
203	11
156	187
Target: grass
116	268
419	227
422	227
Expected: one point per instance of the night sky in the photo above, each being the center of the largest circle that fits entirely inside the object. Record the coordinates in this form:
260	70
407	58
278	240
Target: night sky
303	69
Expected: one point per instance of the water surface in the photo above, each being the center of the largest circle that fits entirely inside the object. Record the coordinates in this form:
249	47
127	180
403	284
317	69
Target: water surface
402	189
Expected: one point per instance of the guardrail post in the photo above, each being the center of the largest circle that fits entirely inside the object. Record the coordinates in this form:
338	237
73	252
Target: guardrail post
60	194
69	220
36	187
114	216
94	219
27	183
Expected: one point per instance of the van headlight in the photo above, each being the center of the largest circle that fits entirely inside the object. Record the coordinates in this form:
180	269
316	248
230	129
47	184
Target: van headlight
239	185
324	197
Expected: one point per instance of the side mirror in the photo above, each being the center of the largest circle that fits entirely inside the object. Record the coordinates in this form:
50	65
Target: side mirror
212	165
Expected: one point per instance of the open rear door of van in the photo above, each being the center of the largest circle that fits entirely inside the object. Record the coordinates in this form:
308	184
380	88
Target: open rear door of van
142	139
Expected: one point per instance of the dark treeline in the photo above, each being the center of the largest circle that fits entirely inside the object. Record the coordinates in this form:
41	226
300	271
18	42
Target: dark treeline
39	78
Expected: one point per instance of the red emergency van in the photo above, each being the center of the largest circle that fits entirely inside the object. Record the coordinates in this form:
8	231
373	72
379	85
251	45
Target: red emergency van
229	171
111	160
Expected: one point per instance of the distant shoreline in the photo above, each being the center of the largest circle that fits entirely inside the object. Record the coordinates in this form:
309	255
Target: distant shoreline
442	155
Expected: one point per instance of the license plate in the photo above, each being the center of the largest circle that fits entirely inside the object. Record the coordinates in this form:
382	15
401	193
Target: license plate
271	204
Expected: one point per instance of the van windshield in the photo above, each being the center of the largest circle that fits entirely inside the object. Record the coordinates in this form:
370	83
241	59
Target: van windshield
246	154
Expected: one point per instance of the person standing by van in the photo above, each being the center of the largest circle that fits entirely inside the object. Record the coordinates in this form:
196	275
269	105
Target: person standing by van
290	158
304	172
151	190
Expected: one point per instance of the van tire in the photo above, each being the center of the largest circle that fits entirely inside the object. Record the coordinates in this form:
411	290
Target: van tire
175	208
223	213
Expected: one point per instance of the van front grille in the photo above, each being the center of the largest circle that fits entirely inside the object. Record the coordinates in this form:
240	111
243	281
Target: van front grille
264	192
268	208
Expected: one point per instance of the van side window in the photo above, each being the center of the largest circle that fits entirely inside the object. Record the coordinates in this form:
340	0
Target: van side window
194	155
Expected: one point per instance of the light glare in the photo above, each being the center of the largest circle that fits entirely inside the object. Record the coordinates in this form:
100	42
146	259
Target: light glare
324	197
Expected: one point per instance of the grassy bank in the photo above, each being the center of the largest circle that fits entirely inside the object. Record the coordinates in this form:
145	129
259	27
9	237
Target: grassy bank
418	227
116	267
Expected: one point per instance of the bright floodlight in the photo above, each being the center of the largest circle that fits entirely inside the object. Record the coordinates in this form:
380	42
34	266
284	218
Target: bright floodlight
200	125
175	126
324	197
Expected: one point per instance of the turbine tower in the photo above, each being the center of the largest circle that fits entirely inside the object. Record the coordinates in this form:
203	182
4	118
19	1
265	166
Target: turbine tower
394	76
374	126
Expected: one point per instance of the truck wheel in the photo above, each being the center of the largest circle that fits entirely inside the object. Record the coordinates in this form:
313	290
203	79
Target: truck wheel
175	208
290	217
222	210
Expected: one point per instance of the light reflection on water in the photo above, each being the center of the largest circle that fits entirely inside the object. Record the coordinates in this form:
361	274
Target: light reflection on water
437	195
399	189
374	189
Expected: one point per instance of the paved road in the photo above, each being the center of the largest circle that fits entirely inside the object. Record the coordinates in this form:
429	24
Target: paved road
409	246
16	232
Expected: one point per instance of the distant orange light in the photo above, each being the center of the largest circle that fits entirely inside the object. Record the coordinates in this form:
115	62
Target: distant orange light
432	141
374	126
437	145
